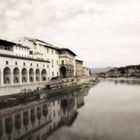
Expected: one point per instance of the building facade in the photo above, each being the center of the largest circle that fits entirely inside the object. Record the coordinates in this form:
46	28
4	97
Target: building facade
79	68
43	51
86	71
31	61
17	67
67	63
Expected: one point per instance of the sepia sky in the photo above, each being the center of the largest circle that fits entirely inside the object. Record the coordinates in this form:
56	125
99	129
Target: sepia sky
101	32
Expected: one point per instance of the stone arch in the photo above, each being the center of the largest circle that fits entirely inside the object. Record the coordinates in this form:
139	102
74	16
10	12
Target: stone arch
38	113
31	75
25	118
1	128
24	75
7	75
16	75
37	72
8	125
63	71
18	121
0	77
45	110
44	75
32	115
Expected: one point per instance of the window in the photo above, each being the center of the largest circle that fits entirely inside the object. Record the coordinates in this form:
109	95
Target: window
37	65
52	51
52	63
6	48
54	113
53	73
31	64
58	113
47	50
57	62
31	52
23	64
7	62
15	63
62	62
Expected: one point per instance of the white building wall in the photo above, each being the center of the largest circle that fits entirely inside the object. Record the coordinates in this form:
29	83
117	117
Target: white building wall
21	51
68	59
41	51
20	64
86	71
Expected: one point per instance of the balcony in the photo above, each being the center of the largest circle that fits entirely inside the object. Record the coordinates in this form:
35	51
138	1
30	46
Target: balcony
7	52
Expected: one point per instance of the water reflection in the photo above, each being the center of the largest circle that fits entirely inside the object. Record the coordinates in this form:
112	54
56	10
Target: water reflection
125	81
39	119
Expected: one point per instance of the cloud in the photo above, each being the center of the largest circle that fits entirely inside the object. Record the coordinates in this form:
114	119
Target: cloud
102	32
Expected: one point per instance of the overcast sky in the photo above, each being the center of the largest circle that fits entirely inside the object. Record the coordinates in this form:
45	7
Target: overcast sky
101	32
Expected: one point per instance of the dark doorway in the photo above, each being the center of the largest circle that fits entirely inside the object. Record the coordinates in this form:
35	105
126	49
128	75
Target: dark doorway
63	71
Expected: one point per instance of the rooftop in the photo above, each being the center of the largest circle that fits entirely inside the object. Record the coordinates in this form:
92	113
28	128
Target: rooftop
79	61
66	49
34	40
7	42
11	43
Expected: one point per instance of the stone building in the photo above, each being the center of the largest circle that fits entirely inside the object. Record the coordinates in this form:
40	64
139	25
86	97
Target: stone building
86	71
67	62
29	61
43	51
79	68
18	67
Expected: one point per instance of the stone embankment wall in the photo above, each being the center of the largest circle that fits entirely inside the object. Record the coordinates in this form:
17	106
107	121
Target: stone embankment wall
19	89
85	80
9	90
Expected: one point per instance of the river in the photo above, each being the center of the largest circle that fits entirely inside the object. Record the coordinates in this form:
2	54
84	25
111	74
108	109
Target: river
109	110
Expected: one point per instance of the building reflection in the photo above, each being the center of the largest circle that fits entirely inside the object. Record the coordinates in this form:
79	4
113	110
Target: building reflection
127	81
37	120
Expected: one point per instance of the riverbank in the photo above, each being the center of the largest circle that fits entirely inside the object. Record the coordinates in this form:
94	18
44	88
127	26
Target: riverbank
52	84
47	92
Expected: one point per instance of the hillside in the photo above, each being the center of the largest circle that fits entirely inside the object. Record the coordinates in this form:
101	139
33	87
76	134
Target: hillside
99	70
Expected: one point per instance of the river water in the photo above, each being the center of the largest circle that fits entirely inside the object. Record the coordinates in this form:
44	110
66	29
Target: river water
109	110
